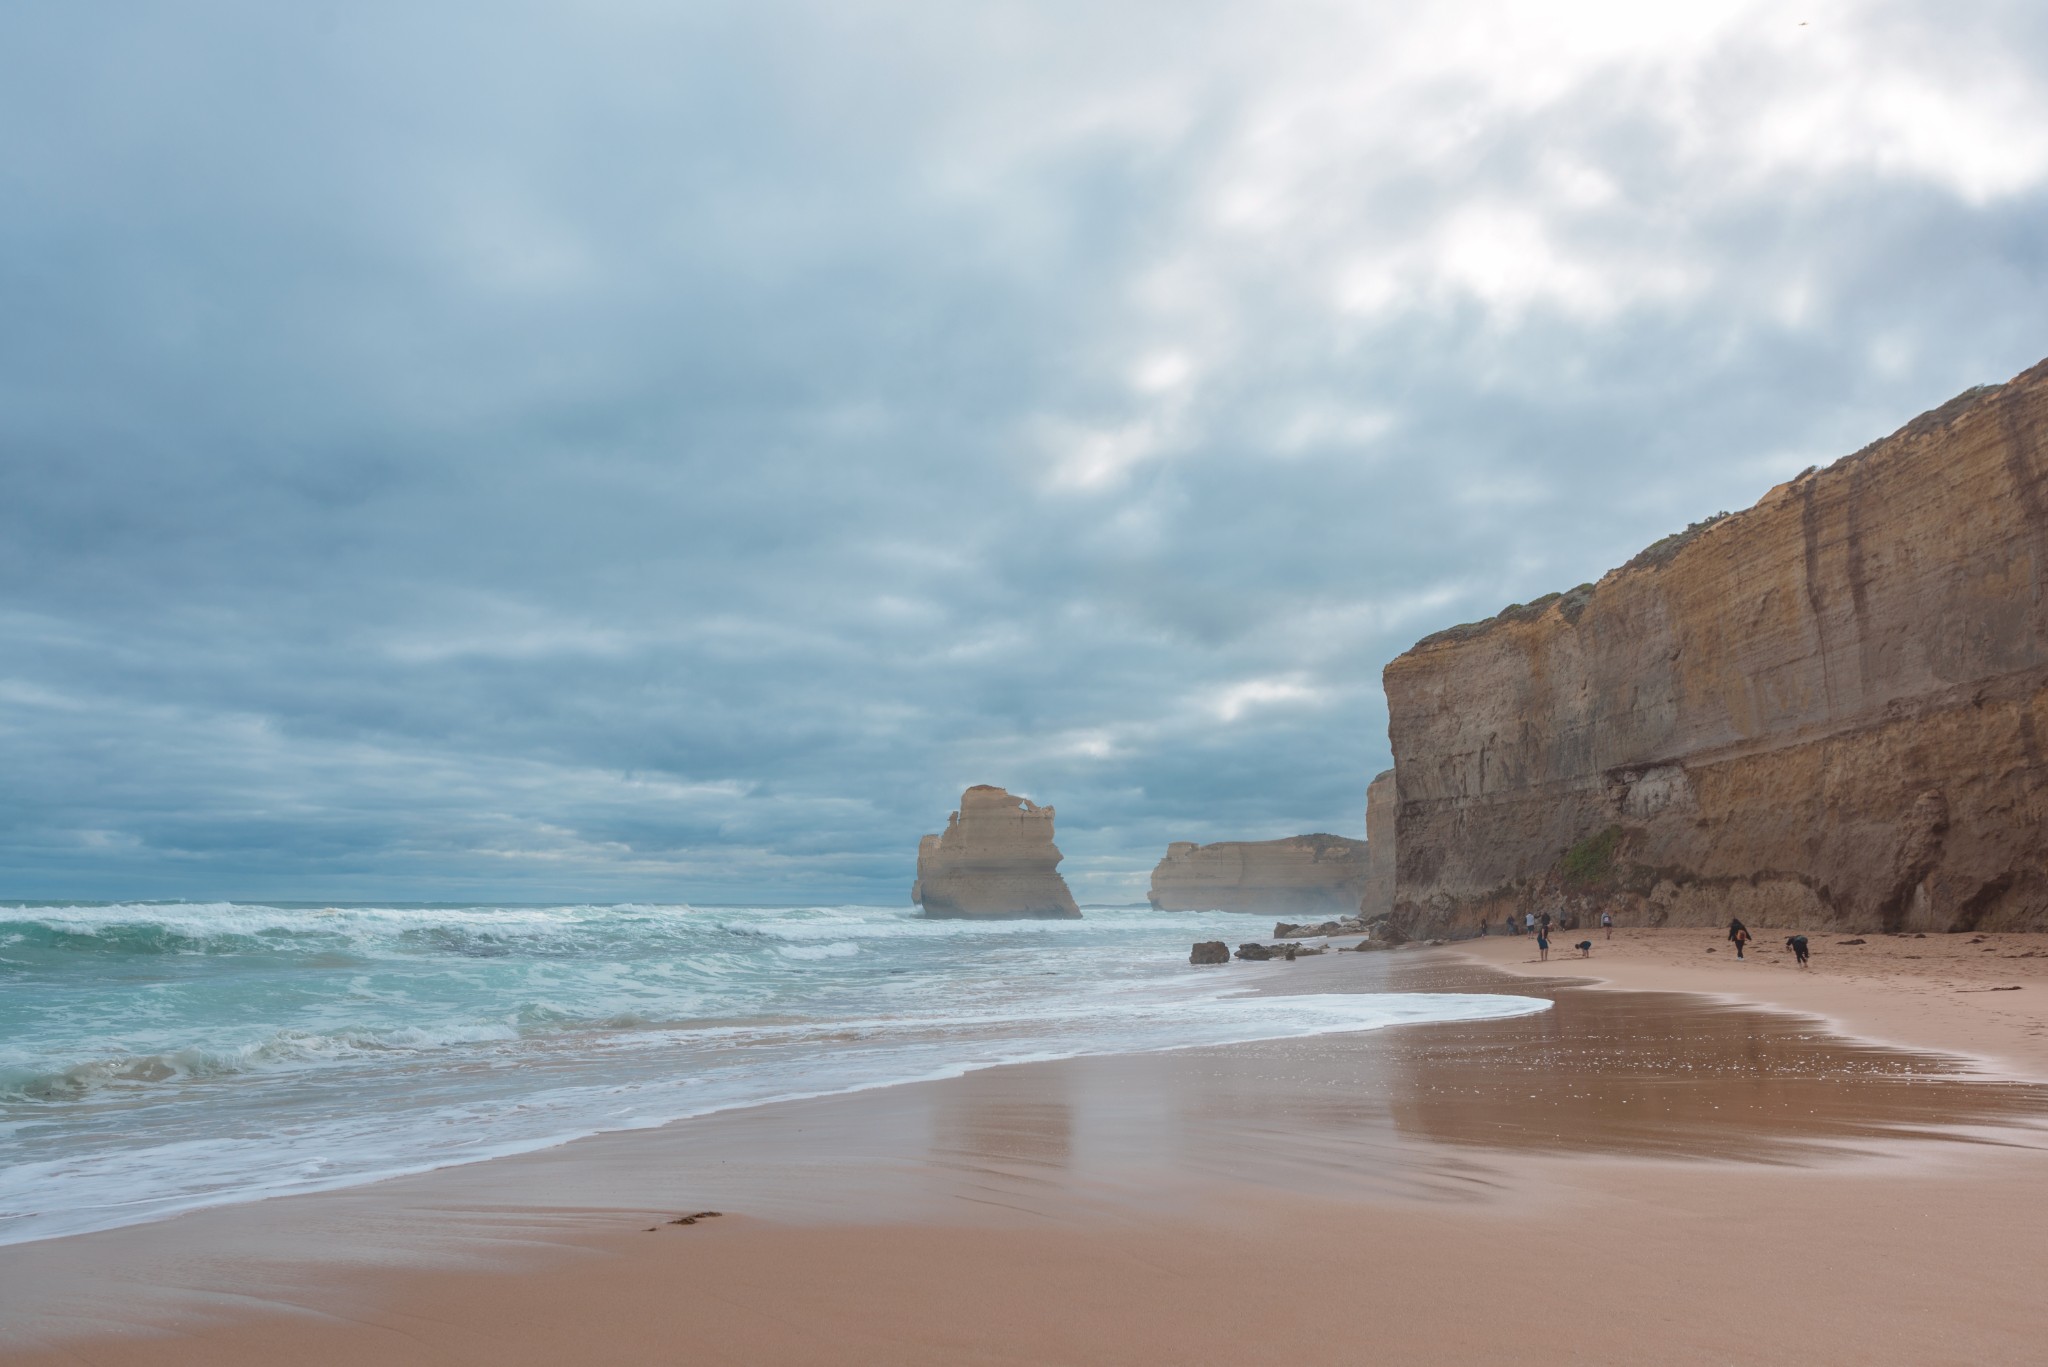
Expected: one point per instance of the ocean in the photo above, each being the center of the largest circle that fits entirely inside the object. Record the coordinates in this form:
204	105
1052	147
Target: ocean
157	1057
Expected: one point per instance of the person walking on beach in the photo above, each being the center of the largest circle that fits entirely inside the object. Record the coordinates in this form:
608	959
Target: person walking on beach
1528	922
1797	944
1738	934
1543	941
1607	923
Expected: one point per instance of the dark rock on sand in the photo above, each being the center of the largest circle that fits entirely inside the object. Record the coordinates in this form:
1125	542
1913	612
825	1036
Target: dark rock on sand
1288	930
1257	951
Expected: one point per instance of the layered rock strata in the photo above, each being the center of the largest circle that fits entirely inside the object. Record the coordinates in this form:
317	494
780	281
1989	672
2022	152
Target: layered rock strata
1300	874
995	859
1827	710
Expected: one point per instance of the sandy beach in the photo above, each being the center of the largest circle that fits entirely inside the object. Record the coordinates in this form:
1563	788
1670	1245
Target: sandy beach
1641	1172
1945	992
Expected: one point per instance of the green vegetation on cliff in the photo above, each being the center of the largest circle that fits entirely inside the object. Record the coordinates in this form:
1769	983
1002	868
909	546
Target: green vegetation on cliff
1592	859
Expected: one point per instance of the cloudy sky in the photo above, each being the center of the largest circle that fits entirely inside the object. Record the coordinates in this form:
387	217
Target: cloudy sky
669	449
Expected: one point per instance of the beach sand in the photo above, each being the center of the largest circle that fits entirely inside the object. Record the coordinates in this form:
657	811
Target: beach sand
1946	992
1639	1174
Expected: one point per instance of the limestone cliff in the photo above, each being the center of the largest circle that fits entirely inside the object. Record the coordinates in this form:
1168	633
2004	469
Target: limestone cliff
1378	898
995	859
1301	874
1827	710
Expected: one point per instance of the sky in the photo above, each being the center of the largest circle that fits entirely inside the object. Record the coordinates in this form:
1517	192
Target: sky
667	451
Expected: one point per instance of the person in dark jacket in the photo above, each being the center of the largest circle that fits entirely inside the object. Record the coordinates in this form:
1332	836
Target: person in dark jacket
1797	944
1738	934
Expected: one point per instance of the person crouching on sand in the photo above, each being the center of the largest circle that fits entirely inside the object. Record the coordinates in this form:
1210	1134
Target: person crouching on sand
1797	944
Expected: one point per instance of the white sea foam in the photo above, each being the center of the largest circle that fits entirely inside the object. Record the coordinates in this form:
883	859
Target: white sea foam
155	1058
838	949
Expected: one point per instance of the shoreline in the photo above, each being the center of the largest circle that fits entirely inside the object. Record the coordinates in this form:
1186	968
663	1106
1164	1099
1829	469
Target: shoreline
1396	1193
1282	982
1935	993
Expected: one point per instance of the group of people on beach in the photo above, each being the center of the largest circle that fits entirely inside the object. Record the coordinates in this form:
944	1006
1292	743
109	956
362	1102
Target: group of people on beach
1739	936
1539	926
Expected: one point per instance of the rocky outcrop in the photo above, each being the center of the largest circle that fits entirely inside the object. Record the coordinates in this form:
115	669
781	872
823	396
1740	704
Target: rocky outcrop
1380	802
996	859
1288	930
1209	952
1258	953
1303	873
1826	710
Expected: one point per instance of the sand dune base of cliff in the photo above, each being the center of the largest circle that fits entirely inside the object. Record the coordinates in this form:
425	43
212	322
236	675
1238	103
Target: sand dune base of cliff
1630	1177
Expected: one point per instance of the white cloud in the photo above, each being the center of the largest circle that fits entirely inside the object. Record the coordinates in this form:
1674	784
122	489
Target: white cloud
1233	702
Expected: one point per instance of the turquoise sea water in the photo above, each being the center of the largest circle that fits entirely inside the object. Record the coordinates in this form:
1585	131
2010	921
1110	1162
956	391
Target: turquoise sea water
155	1057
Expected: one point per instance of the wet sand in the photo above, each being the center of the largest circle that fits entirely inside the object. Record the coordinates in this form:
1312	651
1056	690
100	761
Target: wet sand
1628	1175
1985	996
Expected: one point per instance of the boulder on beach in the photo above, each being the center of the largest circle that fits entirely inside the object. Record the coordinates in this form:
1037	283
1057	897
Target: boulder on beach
1210	952
1256	951
1288	930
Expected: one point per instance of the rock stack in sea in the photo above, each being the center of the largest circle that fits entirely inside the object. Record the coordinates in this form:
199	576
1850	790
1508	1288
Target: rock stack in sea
995	860
1830	709
1380	803
1300	875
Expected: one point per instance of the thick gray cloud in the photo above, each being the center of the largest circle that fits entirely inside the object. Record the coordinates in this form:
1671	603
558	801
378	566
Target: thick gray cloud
669	451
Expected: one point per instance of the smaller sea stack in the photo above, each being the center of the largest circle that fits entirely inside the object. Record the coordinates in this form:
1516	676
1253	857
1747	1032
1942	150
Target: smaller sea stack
1302	874
996	860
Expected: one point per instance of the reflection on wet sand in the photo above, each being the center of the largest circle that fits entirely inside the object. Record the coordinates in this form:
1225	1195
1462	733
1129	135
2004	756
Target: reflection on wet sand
993	1146
1006	1133
1418	1112
1431	1113
1655	1074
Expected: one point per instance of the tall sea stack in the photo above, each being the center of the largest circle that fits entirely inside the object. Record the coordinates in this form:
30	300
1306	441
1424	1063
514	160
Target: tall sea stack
1827	710
995	860
1380	802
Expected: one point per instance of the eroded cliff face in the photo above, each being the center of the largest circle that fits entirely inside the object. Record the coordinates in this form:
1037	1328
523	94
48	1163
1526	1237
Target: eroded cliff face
996	859
1380	801
1302	874
1827	710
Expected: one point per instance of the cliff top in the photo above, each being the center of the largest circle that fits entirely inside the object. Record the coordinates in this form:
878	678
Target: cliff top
988	795
1320	841
1572	603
